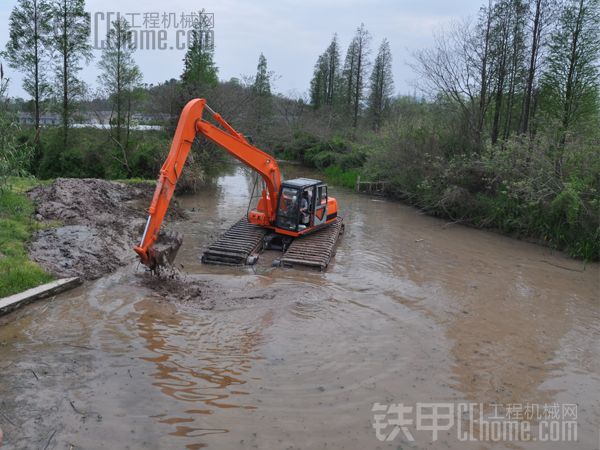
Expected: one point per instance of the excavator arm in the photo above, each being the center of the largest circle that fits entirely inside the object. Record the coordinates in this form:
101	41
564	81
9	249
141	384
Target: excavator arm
189	126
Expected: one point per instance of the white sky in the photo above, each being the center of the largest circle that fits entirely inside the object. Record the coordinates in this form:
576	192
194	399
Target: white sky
291	34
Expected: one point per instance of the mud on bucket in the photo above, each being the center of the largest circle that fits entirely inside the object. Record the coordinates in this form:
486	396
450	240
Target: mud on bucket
165	249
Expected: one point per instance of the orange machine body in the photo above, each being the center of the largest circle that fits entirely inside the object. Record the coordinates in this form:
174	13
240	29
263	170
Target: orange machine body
189	126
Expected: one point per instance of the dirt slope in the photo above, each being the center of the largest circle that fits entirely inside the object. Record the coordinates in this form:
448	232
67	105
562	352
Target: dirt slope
101	220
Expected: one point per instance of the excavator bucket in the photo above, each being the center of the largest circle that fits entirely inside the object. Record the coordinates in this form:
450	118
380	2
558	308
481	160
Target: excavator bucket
165	249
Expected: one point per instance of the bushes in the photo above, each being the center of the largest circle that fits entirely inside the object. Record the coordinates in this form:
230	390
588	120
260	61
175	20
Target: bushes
92	154
15	154
322	153
514	186
338	176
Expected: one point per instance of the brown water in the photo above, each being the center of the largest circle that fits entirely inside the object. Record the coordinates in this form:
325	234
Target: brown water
411	310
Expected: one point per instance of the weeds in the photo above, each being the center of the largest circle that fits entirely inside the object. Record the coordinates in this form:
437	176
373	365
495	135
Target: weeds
17	272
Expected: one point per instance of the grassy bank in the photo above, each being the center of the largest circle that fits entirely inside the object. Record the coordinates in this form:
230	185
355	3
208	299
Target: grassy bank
17	272
516	187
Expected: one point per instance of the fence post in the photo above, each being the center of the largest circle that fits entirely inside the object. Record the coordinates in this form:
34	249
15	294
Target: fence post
357	183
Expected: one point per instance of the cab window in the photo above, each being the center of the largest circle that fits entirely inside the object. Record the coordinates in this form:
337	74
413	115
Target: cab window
288	202
288	209
321	196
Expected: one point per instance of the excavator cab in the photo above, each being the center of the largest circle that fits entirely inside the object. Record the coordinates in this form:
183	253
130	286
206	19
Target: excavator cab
302	205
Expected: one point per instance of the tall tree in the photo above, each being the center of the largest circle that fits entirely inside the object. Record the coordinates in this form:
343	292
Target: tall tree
482	61
500	30
262	81
516	69
571	82
318	84
261	89
381	84
457	72
538	22
355	69
71	43
333	71
326	76
507	56
199	69
27	49
119	76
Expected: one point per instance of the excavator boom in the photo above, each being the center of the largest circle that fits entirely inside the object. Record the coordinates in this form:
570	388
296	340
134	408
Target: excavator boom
190	125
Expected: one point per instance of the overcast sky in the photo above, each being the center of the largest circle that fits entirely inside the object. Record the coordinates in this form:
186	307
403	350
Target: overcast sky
291	34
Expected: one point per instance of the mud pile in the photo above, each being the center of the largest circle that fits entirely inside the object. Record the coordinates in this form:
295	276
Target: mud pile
100	222
174	286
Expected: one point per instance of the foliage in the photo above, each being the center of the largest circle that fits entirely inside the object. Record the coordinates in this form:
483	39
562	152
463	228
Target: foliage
28	47
15	156
355	72
261	94
381	85
17	272
198	66
262	80
511	187
91	155
325	84
340	177
71	32
571	82
120	76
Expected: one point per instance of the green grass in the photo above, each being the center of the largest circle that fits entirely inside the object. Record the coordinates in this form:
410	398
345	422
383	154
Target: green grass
340	177
135	181
17	271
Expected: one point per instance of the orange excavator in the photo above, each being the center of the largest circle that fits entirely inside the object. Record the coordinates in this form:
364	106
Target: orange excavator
287	213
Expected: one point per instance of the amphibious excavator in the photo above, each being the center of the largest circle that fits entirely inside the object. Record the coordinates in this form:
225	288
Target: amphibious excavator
296	216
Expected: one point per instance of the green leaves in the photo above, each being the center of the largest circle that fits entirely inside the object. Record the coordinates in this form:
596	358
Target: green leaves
571	82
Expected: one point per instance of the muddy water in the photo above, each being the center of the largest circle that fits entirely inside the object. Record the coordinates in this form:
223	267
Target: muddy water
412	310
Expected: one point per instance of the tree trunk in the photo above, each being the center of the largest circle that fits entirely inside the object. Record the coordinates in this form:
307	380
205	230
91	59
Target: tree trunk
119	87
526	113
65	75
36	63
573	60
357	90
482	94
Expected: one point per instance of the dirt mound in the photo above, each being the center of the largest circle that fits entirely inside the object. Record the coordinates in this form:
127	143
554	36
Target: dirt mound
176	286
102	221
87	201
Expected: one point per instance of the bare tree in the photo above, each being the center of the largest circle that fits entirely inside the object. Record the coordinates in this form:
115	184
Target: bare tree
456	70
119	77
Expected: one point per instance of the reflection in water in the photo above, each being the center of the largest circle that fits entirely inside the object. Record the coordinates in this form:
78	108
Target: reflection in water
197	364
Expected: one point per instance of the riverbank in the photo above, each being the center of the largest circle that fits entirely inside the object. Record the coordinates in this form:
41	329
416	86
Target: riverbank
514	188
67	228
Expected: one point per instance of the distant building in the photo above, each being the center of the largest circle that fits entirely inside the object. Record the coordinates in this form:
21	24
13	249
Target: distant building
26	118
96	119
150	118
